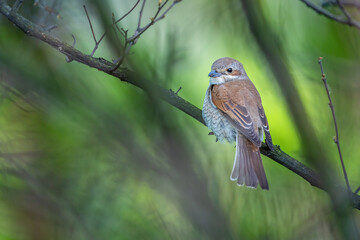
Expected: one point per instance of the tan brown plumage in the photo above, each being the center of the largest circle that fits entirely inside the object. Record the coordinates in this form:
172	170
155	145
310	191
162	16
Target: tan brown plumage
233	111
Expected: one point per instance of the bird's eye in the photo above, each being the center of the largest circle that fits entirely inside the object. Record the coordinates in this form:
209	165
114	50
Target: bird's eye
229	70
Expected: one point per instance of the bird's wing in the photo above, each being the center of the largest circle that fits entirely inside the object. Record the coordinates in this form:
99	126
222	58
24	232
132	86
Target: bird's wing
235	108
265	125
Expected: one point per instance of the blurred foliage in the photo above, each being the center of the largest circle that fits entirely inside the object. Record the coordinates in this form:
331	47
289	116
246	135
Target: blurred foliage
85	156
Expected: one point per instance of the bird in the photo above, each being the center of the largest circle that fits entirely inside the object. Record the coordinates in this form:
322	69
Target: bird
233	111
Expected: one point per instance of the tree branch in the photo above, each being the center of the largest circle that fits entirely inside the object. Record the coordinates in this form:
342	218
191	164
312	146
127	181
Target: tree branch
129	42
348	21
16	6
336	138
89	20
154	19
169	96
126	14
357	190
351	4
114	23
346	13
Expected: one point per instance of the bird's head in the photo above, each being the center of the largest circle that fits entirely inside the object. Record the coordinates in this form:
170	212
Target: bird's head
226	69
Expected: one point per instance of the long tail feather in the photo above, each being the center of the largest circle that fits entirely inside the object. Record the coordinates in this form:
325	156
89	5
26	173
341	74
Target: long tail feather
248	169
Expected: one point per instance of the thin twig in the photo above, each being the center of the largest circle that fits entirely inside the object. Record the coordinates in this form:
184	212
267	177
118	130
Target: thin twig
140	14
329	15
122	58
166	11
73	45
97	43
154	19
346	13
129	42
127	47
178	91
92	31
357	190
115	22
91	27
116	27
51	27
351	4
336	138
67	58
125	15
16	6
344	3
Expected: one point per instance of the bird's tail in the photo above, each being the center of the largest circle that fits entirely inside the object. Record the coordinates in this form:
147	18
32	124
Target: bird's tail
248	168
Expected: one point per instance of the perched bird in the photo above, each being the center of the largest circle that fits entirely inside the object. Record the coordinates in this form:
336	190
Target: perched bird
233	111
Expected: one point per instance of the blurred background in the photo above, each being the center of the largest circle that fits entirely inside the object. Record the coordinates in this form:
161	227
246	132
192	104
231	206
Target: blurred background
86	156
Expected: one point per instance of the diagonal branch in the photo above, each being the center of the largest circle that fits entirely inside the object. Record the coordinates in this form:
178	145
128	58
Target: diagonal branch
357	190
155	90
342	8
91	26
348	21
126	14
16	6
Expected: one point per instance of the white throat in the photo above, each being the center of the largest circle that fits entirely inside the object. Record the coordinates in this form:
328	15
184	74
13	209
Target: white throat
226	78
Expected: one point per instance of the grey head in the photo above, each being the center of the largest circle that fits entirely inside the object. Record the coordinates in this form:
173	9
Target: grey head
226	69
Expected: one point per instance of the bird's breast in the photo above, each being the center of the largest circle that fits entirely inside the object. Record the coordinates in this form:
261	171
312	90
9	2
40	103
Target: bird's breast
216	121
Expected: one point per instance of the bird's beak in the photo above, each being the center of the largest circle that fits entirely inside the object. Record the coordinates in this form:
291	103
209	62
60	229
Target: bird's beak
214	74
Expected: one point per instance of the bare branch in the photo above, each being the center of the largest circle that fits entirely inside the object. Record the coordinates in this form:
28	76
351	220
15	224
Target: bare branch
166	11
73	45
116	27
16	6
140	14
178	91
154	19
125	15
329	15
129	42
97	43
344	3
351	4
346	13
68	60
122	58
91	27
170	97
336	138
51	27
357	190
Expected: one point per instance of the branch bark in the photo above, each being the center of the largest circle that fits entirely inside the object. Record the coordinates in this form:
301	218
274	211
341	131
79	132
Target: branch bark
348	21
169	96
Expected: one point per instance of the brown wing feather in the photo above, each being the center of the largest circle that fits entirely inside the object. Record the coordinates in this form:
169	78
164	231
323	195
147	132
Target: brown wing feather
265	125
236	112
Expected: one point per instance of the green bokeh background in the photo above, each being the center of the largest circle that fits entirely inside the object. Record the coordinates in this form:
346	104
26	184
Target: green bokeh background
86	156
